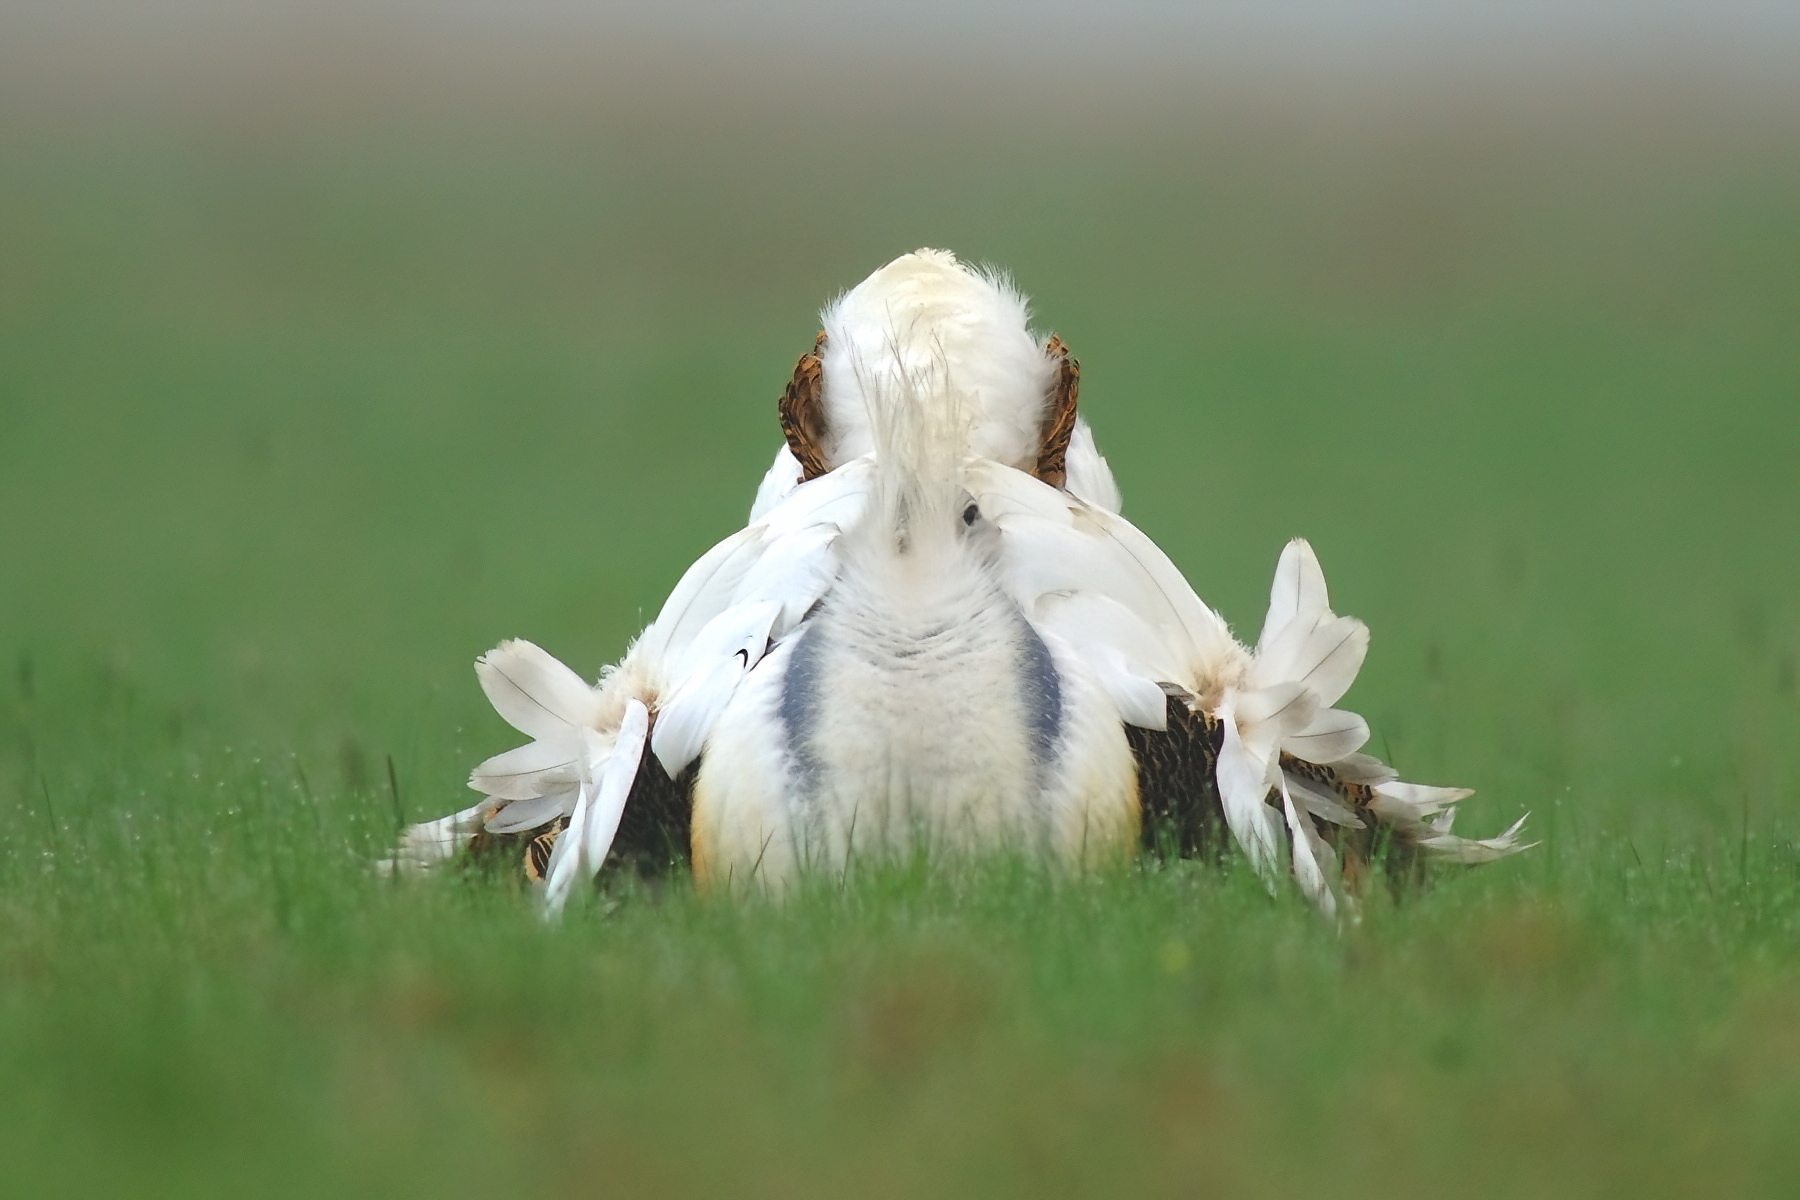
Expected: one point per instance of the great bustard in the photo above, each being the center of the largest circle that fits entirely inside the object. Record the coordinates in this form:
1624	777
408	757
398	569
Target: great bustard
937	633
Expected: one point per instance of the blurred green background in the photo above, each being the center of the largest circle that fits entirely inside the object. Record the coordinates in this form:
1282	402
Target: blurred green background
333	351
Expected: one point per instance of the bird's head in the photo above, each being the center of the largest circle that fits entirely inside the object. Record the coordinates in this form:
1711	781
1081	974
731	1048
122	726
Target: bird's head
930	348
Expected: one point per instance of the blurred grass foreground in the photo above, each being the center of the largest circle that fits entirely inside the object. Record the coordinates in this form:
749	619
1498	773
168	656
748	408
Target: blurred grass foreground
327	361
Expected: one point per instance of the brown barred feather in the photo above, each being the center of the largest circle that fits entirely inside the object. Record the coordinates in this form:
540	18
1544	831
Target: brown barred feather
802	412
1357	796
1059	420
539	847
1355	847
1359	848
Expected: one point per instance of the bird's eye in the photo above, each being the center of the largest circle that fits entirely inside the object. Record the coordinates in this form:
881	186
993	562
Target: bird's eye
971	514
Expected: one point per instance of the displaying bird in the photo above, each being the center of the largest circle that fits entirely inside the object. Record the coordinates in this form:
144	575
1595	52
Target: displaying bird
937	634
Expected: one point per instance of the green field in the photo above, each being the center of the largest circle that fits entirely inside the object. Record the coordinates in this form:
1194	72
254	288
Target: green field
303	408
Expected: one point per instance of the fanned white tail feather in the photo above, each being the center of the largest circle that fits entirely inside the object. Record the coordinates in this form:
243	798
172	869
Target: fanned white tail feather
582	849
1059	551
1305	660
710	670
429	843
528	786
1089	478
741	596
539	696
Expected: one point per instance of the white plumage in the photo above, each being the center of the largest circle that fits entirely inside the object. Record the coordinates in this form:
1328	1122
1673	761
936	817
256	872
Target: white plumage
937	634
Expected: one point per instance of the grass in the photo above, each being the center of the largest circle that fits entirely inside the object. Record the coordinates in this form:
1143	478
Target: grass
296	417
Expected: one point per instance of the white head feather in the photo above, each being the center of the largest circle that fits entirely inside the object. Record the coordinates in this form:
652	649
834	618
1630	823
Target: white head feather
926	329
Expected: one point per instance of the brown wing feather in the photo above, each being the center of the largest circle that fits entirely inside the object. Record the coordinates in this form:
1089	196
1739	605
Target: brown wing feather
1059	417
1178	789
802	412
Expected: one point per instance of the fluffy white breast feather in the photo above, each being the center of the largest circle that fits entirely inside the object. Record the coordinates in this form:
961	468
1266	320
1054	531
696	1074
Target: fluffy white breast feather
936	625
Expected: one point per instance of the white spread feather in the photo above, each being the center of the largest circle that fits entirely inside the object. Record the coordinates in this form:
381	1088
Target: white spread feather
1088	475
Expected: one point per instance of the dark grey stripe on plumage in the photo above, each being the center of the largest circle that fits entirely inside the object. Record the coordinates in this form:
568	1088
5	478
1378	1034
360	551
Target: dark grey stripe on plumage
1041	686
800	703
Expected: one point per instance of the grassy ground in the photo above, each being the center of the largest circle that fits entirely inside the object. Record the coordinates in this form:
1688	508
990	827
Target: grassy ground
298	414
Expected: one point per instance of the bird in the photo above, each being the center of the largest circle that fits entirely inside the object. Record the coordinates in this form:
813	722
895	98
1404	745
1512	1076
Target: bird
936	634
